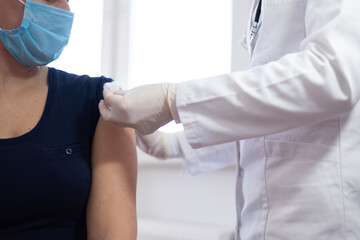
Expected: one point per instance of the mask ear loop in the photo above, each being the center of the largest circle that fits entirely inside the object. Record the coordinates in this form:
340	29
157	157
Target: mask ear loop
21	1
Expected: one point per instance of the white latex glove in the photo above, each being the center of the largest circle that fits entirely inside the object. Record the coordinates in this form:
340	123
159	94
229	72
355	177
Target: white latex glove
114	87
159	144
145	108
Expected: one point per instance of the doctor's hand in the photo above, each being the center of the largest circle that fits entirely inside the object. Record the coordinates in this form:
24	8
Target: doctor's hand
145	108
160	145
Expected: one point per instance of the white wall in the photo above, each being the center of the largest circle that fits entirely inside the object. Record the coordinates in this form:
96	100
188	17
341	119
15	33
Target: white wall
83	53
167	192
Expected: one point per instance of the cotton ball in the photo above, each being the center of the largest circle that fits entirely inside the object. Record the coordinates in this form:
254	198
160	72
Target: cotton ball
114	87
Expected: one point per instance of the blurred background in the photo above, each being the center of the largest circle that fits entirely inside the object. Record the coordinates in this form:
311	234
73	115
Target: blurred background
140	42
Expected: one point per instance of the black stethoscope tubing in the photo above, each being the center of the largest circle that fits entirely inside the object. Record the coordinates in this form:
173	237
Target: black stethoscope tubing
255	26
258	12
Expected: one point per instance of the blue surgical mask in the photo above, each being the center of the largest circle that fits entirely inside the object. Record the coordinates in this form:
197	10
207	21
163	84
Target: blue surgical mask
42	36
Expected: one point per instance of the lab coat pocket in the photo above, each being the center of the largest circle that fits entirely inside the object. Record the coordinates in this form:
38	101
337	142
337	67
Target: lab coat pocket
70	162
304	191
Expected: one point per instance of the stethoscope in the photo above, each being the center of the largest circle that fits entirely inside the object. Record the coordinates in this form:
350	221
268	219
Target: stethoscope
255	26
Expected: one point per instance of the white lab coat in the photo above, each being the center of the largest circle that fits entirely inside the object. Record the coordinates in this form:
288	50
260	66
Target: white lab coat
297	113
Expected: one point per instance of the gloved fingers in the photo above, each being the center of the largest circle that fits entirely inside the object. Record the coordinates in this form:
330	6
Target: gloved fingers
107	93
110	98
119	92
144	108
109	116
110	111
105	111
114	87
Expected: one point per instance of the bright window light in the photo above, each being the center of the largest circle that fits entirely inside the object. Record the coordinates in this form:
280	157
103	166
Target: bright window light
174	40
83	54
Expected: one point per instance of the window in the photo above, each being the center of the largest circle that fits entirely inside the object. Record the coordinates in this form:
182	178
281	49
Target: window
83	54
172	40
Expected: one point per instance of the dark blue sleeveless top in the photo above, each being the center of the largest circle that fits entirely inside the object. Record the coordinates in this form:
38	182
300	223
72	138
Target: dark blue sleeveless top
45	174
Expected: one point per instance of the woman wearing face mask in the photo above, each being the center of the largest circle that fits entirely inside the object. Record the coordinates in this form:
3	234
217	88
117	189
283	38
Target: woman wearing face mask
52	144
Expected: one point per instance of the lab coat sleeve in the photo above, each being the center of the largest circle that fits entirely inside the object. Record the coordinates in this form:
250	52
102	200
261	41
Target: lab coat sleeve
208	158
319	82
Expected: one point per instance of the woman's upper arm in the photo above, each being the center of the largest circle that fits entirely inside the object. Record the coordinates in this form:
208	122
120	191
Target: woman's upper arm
111	210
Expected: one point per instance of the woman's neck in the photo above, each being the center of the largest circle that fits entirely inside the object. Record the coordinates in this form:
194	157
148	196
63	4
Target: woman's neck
12	73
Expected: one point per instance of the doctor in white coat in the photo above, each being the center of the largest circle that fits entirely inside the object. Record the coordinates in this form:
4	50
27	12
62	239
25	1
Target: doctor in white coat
295	111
